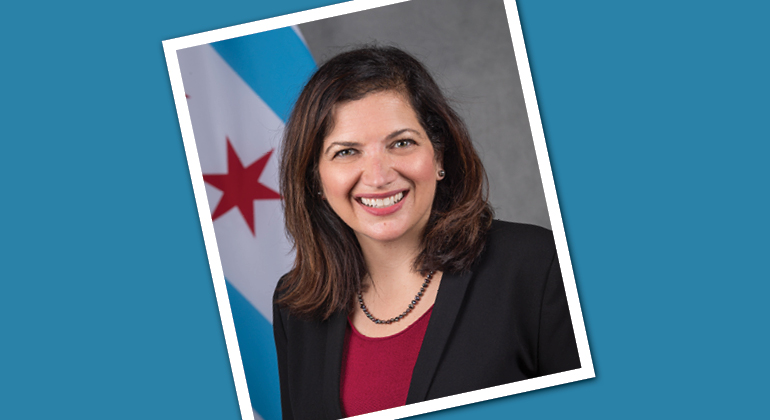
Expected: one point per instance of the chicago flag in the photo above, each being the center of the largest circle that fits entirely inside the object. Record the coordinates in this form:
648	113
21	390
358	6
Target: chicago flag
240	93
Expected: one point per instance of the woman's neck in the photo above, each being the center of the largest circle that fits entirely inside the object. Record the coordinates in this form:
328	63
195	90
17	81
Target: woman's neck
392	283
390	264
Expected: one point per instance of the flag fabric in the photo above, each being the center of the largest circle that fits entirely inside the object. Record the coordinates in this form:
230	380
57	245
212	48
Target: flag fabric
240	93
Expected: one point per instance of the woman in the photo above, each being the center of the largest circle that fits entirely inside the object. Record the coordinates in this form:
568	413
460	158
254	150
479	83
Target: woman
404	289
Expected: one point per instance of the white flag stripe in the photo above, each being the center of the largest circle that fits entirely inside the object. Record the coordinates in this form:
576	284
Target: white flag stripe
223	107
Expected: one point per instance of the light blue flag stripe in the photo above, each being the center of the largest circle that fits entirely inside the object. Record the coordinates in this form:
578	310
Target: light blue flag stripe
260	363
275	64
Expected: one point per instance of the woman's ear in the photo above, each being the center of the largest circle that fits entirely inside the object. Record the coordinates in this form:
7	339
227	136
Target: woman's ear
440	173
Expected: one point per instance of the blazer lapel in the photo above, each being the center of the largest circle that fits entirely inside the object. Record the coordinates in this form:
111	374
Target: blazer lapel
442	319
335	341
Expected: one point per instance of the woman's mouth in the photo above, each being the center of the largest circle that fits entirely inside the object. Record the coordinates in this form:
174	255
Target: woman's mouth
379	203
383	205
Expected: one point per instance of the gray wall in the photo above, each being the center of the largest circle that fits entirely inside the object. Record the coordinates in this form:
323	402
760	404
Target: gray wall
467	46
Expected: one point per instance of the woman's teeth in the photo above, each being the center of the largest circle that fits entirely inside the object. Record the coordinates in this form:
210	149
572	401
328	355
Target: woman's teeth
382	202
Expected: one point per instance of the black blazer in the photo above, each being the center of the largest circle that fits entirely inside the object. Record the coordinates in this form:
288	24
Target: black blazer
504	321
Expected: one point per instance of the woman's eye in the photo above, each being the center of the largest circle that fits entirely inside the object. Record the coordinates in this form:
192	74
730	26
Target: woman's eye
403	143
344	153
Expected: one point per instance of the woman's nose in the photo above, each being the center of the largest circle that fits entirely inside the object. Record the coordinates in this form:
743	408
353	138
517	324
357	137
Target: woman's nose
378	171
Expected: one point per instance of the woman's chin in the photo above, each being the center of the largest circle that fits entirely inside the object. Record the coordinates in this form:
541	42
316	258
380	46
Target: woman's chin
384	234
381	236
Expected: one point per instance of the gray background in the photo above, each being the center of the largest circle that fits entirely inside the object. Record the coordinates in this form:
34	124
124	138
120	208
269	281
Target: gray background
467	47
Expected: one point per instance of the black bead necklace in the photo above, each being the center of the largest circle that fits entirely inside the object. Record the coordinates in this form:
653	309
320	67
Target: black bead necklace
403	314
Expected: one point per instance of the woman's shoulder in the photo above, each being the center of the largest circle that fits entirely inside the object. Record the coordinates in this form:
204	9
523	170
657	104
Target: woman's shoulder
280	289
518	243
519	234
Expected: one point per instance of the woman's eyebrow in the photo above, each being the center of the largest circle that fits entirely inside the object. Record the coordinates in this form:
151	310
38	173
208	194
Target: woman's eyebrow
399	132
341	143
388	137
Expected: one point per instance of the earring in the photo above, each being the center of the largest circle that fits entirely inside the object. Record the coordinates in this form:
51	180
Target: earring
441	173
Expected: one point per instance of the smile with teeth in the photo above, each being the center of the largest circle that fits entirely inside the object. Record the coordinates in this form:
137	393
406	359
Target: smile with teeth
379	203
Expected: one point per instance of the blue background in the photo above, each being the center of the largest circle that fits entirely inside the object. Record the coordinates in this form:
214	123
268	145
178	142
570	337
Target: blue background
656	118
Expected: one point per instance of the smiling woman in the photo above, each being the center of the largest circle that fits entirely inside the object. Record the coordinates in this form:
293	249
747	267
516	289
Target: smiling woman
403	289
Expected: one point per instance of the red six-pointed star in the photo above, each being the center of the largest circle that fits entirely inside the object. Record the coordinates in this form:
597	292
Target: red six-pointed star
240	186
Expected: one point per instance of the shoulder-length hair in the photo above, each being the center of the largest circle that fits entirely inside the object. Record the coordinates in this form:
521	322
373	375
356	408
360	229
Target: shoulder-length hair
329	264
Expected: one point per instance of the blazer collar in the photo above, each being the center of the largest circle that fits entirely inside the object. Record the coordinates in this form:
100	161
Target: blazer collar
330	386
442	320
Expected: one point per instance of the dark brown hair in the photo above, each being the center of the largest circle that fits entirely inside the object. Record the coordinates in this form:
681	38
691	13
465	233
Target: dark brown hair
329	264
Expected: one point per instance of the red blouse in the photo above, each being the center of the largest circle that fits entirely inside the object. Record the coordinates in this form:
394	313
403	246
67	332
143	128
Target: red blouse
376	372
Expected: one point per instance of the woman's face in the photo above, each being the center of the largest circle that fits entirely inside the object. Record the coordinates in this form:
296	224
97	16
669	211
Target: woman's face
378	168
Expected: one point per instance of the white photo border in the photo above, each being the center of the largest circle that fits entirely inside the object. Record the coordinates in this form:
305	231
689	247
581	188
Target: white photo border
171	47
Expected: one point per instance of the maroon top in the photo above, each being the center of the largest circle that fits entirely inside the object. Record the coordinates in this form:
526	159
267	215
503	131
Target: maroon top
376	372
